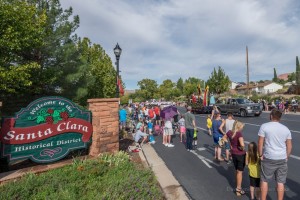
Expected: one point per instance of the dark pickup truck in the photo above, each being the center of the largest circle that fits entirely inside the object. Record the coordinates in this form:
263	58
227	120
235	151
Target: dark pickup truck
240	106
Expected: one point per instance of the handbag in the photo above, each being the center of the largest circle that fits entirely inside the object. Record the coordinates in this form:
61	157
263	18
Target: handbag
221	142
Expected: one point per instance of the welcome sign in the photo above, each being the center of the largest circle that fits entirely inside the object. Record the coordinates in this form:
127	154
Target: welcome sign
46	130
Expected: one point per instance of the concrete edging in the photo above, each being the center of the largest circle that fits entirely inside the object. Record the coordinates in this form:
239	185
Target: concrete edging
170	186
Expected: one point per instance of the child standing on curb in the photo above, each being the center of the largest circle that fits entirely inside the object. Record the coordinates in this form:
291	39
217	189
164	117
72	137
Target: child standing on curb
209	124
150	127
253	162
181	123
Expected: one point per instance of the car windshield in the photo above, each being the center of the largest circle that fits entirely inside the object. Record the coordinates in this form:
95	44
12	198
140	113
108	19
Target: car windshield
242	101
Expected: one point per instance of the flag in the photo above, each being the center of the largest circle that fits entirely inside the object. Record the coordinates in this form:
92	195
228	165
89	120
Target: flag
121	90
205	96
199	90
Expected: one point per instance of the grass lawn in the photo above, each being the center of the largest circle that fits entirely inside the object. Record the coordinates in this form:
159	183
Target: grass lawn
107	177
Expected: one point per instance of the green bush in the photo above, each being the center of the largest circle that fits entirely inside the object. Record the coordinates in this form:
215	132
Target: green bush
108	177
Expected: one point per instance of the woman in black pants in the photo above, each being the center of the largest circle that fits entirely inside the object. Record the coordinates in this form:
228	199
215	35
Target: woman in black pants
238	153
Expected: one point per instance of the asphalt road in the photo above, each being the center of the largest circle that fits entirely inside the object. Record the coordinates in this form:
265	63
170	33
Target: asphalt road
204	178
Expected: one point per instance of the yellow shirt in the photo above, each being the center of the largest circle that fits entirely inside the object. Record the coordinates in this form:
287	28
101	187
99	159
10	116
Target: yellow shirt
254	169
209	123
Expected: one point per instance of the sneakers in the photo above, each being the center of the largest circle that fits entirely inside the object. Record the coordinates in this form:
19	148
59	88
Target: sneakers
166	144
192	151
135	150
170	145
227	161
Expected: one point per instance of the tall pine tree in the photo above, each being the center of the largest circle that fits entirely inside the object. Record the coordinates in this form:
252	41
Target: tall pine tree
275	79
297	71
218	82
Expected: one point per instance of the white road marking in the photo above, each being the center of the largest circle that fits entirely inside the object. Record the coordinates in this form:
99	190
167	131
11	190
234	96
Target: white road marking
201	128
252	124
246	142
260	125
296	157
201	149
257	125
203	159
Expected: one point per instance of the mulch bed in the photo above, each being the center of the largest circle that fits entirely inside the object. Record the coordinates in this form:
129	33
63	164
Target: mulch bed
124	143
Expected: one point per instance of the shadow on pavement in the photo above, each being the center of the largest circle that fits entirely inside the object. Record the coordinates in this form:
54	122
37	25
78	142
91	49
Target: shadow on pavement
292	187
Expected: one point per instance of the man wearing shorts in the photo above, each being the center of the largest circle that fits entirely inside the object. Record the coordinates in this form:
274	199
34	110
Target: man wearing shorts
168	132
274	148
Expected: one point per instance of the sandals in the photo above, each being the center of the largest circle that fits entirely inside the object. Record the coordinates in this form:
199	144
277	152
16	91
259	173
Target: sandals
239	192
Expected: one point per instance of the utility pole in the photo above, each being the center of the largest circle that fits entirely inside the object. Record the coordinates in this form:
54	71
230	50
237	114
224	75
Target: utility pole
247	63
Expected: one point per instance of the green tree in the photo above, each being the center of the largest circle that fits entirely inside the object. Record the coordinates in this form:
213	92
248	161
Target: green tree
21	28
190	86
180	84
40	54
148	88
91	76
292	77
297	71
275	78
58	51
189	89
166	89
218	82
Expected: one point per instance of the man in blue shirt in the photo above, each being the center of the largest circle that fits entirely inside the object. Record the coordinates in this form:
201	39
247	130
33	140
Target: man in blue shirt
122	117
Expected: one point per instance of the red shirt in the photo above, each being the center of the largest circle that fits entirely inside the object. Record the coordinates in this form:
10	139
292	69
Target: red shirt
234	143
156	110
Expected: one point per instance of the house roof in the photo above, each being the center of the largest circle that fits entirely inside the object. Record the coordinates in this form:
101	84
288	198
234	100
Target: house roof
244	87
283	76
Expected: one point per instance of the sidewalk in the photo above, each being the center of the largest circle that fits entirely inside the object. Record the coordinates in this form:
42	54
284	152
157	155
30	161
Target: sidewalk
170	186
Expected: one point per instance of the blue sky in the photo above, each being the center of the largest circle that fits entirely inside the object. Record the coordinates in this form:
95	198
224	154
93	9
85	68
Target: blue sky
169	39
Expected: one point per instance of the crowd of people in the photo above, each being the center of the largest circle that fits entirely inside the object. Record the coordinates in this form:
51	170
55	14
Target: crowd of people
265	159
283	105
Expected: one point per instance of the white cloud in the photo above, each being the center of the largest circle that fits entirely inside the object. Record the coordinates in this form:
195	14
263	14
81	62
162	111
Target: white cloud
170	39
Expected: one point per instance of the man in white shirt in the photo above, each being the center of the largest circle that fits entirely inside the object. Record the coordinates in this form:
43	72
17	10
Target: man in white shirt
274	148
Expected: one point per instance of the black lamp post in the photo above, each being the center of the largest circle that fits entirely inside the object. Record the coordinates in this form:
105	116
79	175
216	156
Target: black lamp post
117	51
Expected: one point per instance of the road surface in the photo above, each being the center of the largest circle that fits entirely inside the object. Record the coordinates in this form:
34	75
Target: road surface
204	178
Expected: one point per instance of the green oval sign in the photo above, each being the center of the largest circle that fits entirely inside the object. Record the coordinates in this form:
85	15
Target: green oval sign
46	130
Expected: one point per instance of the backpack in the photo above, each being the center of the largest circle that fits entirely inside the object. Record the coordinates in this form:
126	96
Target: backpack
151	113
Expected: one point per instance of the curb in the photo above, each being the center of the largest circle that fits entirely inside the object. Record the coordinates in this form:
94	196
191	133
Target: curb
170	186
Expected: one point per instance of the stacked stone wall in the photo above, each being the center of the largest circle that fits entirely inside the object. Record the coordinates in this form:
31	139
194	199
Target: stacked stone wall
105	120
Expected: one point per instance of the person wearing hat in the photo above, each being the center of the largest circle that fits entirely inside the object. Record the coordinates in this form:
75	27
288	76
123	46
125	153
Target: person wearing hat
190	126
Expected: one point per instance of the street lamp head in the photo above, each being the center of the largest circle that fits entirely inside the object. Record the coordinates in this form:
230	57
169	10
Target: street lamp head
117	51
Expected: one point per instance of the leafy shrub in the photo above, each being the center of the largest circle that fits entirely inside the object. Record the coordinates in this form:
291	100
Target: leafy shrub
107	177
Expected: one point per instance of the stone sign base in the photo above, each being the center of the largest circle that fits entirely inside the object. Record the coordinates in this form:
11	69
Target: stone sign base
105	121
